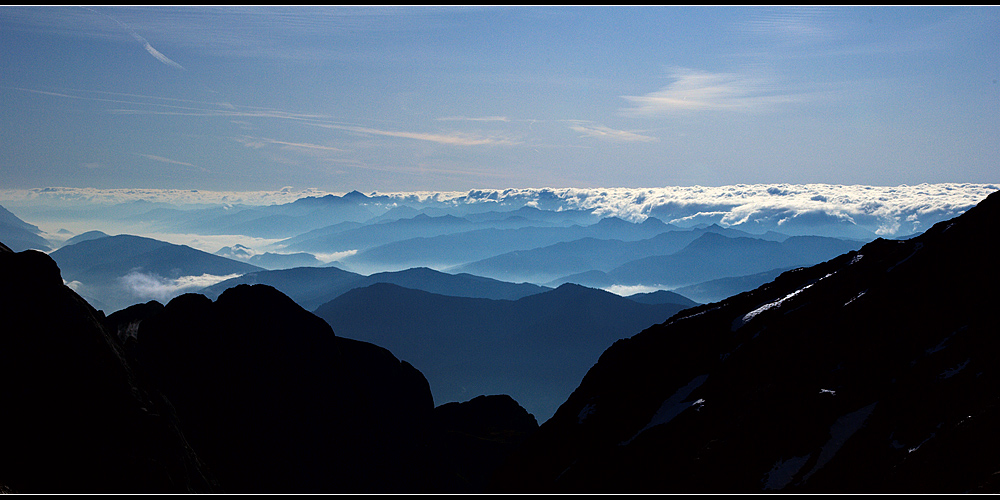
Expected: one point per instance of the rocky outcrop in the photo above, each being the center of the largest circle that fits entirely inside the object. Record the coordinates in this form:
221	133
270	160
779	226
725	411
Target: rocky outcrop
258	396
75	416
873	372
277	403
473	438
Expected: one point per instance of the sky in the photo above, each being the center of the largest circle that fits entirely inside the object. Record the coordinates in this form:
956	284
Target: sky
459	98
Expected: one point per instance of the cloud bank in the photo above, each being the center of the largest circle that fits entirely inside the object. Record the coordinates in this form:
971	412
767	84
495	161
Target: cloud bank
150	286
789	208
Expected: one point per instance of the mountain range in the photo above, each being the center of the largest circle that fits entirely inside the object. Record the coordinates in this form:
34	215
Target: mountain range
838	367
311	287
115	272
535	348
247	394
850	376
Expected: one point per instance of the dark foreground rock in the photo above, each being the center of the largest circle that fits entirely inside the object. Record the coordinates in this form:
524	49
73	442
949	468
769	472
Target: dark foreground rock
872	372
247	394
76	418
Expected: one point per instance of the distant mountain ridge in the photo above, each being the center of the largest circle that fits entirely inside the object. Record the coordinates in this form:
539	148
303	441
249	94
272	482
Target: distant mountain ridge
101	268
712	256
533	348
312	287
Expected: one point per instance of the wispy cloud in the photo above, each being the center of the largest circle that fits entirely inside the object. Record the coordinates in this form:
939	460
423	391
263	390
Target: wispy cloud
259	142
151	286
145	44
172	162
800	23
694	90
607	133
479	119
452	138
198	108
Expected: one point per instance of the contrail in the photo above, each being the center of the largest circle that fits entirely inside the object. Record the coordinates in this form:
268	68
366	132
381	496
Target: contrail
149	48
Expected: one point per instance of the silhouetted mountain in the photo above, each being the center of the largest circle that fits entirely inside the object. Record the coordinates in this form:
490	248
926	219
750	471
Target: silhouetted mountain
662	297
312	287
89	235
371	235
277	403
469	246
269	260
19	235
475	437
124	269
535	348
713	255
718	289
545	264
76	417
873	372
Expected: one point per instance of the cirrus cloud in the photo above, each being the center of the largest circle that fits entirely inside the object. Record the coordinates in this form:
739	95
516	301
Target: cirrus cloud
607	133
694	90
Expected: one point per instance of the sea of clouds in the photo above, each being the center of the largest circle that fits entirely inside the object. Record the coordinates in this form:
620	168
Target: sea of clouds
881	210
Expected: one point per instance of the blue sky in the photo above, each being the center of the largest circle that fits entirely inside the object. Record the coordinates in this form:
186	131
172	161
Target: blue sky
435	98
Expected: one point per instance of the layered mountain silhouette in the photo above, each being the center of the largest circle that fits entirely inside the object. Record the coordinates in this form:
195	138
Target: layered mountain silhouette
535	348
269	260
873	372
118	271
460	248
89	235
712	256
20	235
545	264
313	287
247	394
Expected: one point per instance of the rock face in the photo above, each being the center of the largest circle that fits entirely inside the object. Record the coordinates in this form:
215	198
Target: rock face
872	372
473	438
76	418
277	403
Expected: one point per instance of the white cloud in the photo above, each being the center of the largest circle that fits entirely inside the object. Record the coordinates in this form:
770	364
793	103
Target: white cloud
626	290
327	258
694	90
145	44
602	132
150	286
884	210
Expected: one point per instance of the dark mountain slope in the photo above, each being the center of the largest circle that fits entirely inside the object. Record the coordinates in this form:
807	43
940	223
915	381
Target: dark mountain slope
872	372
535	348
76	417
721	288
277	403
